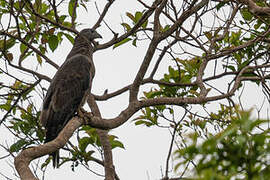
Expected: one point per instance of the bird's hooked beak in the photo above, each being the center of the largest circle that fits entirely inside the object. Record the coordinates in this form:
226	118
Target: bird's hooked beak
96	35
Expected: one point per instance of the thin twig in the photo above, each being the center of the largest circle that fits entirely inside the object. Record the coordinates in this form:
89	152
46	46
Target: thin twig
17	100
102	15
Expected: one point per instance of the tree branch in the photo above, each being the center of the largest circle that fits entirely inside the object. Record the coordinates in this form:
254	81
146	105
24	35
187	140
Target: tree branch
143	68
23	160
17	100
103	14
104	139
255	9
182	18
50	21
116	39
31	47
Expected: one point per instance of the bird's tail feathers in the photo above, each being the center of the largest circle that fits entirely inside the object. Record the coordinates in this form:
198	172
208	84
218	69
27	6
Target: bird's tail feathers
54	126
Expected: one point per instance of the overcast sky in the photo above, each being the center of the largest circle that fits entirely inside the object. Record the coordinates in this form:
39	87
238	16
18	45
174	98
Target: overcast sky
146	148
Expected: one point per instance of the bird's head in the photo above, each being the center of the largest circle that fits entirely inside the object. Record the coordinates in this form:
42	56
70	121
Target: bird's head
90	34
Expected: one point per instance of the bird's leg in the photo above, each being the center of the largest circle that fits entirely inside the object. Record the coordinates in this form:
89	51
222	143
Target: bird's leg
81	112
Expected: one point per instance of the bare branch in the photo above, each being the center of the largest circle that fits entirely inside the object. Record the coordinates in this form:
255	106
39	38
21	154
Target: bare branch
53	4
116	39
171	145
182	18
144	66
40	76
103	14
104	139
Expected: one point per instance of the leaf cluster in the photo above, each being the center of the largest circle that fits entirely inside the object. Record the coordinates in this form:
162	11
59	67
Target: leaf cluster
239	151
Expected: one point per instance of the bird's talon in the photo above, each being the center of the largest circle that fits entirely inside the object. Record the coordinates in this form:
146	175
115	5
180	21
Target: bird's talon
81	112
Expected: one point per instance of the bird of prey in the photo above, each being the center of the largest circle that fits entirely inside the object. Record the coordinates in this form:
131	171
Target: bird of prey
68	88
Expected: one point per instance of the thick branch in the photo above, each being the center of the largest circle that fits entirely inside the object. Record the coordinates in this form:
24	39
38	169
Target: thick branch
180	101
144	66
104	139
148	56
23	160
254	8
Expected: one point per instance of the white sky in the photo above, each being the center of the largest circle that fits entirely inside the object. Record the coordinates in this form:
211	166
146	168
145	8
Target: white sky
146	148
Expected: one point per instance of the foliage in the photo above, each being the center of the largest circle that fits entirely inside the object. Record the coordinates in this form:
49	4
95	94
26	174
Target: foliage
240	151
208	54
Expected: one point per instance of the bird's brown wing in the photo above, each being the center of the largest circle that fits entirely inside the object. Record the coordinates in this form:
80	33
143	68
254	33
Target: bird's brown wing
65	94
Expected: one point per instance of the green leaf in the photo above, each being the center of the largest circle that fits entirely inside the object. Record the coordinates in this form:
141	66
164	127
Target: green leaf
44	8
72	8
258	24
208	35
93	136
62	18
53	42
134	42
84	142
246	14
142	122
231	68
126	26
47	161
121	42
166	28
42	49
70	38
7	44
220	5
138	16
243	64
68	24
22	47
131	17
115	143
5	107
3	3
18	145
144	25
39	59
